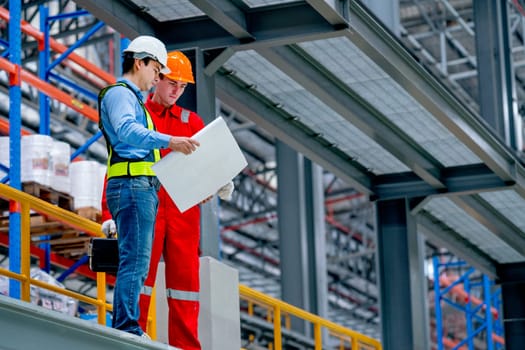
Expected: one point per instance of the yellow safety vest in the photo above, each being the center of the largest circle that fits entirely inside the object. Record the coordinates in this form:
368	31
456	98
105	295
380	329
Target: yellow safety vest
125	167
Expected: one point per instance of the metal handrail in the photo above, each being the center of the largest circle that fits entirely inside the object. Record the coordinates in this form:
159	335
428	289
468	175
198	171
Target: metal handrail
24	203
358	340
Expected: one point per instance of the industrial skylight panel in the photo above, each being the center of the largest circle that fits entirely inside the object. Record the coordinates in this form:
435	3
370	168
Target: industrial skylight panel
509	204
453	216
362	75
261	75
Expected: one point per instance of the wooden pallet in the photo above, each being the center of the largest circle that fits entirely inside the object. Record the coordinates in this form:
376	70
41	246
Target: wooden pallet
46	193
70	247
90	213
63	239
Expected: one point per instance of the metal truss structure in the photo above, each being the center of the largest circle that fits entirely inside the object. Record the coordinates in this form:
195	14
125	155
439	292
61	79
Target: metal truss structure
441	34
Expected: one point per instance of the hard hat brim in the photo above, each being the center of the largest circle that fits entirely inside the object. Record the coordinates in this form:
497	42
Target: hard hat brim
142	55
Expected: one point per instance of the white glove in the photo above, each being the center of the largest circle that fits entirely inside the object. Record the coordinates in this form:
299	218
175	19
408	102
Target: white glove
225	192
109	227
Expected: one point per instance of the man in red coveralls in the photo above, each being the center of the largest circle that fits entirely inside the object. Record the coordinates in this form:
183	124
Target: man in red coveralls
177	235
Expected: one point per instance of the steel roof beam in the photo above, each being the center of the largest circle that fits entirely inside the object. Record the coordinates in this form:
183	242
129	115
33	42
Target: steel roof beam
225	24
468	179
228	16
123	16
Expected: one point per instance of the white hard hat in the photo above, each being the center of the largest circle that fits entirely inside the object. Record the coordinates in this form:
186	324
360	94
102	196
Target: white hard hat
148	46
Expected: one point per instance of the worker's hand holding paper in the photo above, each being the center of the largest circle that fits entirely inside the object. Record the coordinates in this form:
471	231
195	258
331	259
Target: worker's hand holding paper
189	179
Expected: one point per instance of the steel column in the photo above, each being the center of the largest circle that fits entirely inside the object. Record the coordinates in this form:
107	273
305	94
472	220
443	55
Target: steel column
512	280
200	97
293	243
316	238
387	12
497	93
402	283
301	226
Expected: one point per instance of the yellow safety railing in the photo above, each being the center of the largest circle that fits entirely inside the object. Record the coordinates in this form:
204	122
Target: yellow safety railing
280	309
25	203
276	309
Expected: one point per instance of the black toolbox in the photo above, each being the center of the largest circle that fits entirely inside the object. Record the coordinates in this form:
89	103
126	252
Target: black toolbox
103	254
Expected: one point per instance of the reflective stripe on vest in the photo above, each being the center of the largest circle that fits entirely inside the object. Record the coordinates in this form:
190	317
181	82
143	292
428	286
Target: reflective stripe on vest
129	168
182	295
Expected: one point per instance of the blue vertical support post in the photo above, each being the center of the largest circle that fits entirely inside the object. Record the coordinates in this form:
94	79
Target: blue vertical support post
488	311
15	126
124	43
468	314
43	63
437	301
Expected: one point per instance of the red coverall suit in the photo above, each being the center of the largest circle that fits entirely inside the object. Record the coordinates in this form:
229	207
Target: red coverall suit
177	238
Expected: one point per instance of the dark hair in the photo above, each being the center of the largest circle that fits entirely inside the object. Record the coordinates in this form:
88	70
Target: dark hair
128	60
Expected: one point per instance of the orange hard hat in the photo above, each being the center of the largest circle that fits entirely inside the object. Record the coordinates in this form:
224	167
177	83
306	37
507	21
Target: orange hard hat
180	67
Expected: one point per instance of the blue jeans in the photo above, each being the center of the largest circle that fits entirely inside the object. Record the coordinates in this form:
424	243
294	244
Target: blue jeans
133	204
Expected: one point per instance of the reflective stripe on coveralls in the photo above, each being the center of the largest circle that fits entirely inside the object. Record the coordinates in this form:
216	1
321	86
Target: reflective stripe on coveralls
147	290
173	294
182	295
118	166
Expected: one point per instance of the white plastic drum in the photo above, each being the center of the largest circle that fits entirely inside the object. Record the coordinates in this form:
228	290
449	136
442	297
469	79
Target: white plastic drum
86	183
35	163
60	179
4	154
102	175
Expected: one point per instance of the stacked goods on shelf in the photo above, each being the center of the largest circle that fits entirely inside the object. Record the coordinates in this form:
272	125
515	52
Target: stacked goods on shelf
48	174
44	161
45	169
59	166
35	152
87	182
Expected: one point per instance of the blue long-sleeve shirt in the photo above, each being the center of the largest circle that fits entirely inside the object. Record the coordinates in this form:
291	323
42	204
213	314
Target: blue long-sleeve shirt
124	123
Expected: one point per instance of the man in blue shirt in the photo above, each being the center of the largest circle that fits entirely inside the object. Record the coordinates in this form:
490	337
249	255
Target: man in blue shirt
131	192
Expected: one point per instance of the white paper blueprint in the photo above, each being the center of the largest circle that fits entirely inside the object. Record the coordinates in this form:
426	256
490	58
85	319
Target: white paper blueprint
189	179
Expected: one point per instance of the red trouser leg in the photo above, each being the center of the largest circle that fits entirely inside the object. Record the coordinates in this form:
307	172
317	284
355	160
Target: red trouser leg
182	280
